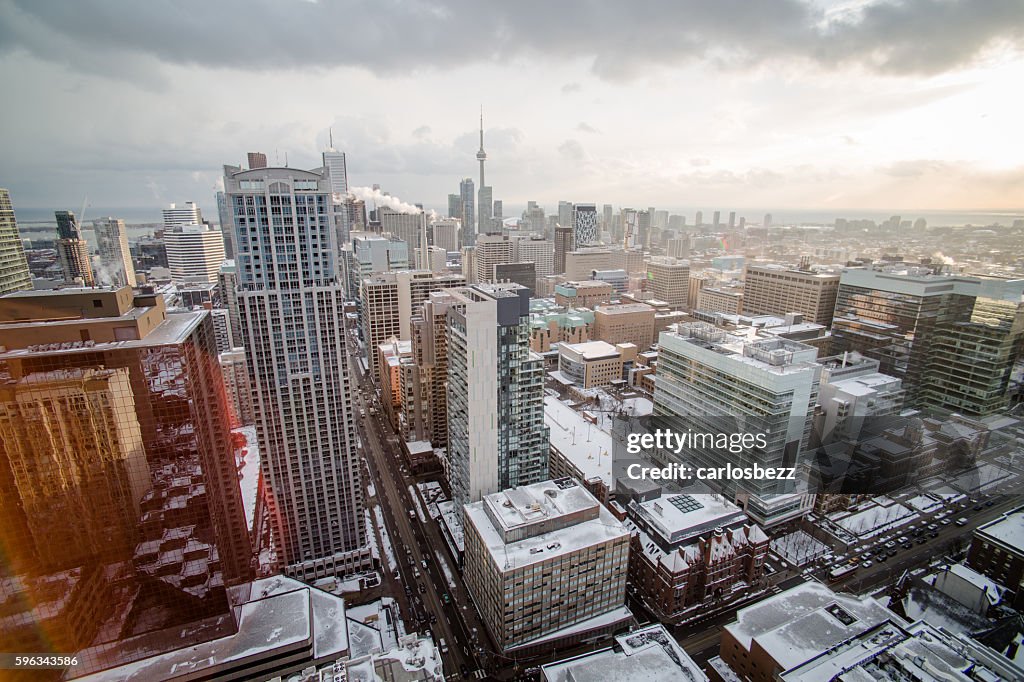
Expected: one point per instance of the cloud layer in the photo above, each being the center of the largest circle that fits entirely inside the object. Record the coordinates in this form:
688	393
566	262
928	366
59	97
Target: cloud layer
620	40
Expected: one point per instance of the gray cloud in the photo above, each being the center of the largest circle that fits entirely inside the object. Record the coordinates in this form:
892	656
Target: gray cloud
122	39
585	127
570	88
571	150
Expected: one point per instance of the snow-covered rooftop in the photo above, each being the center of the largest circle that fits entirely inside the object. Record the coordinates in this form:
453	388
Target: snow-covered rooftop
677	516
586	446
275	620
649	654
1008	530
576	519
802	622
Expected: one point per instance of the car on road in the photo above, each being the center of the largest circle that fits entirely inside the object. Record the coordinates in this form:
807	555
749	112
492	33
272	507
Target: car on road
989	503
907	545
932	526
422	588
934	534
423	562
961	521
442	645
412	514
945	522
464	670
446	598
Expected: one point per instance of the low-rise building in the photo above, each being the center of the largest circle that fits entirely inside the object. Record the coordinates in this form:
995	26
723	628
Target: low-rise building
546	565
595	363
728	300
894	651
692	552
551	323
650	653
997	550
791	628
583	294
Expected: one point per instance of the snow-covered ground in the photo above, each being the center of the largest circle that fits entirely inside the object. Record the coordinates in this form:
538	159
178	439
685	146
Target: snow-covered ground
873	518
443	563
798	548
249	472
419	507
389	551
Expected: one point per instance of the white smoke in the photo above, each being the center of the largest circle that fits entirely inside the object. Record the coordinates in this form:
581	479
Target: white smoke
368	194
946	260
103	273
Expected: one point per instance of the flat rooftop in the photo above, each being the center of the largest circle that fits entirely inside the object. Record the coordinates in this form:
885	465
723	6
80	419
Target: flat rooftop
530	505
650	654
592	350
1008	530
796	625
678	516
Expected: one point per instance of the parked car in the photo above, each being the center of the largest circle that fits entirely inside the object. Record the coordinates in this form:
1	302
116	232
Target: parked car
866	564
961	521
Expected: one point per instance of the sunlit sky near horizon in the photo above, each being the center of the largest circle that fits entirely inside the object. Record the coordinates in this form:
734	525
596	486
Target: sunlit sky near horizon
728	105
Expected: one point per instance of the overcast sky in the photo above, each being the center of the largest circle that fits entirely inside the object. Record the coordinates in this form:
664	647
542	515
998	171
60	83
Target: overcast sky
724	104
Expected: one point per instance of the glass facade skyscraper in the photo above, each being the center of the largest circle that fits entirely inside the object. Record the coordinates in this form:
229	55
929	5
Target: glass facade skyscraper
121	518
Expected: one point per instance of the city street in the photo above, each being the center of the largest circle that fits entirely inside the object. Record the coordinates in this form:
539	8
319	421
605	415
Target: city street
417	548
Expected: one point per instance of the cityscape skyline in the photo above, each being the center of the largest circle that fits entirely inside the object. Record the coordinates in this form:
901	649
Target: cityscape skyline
856	113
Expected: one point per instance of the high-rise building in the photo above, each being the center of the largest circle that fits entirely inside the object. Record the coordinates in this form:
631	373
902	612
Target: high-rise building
227	285
235	371
485	209
535	220
705	374
120	501
466	195
927	330
497	438
446	233
226	228
115	259
72	250
767	220
428	418
194	253
669	280
407	227
777	290
606	218
678	247
389	301
536	250
520	273
643	229
585	225
341	202
14	272
256	160
722	299
290	303
625	323
543	557
368	254
455	206
176	216
716	220
564	243
498	208
491	249
565	213
337	171
732	220
698	219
